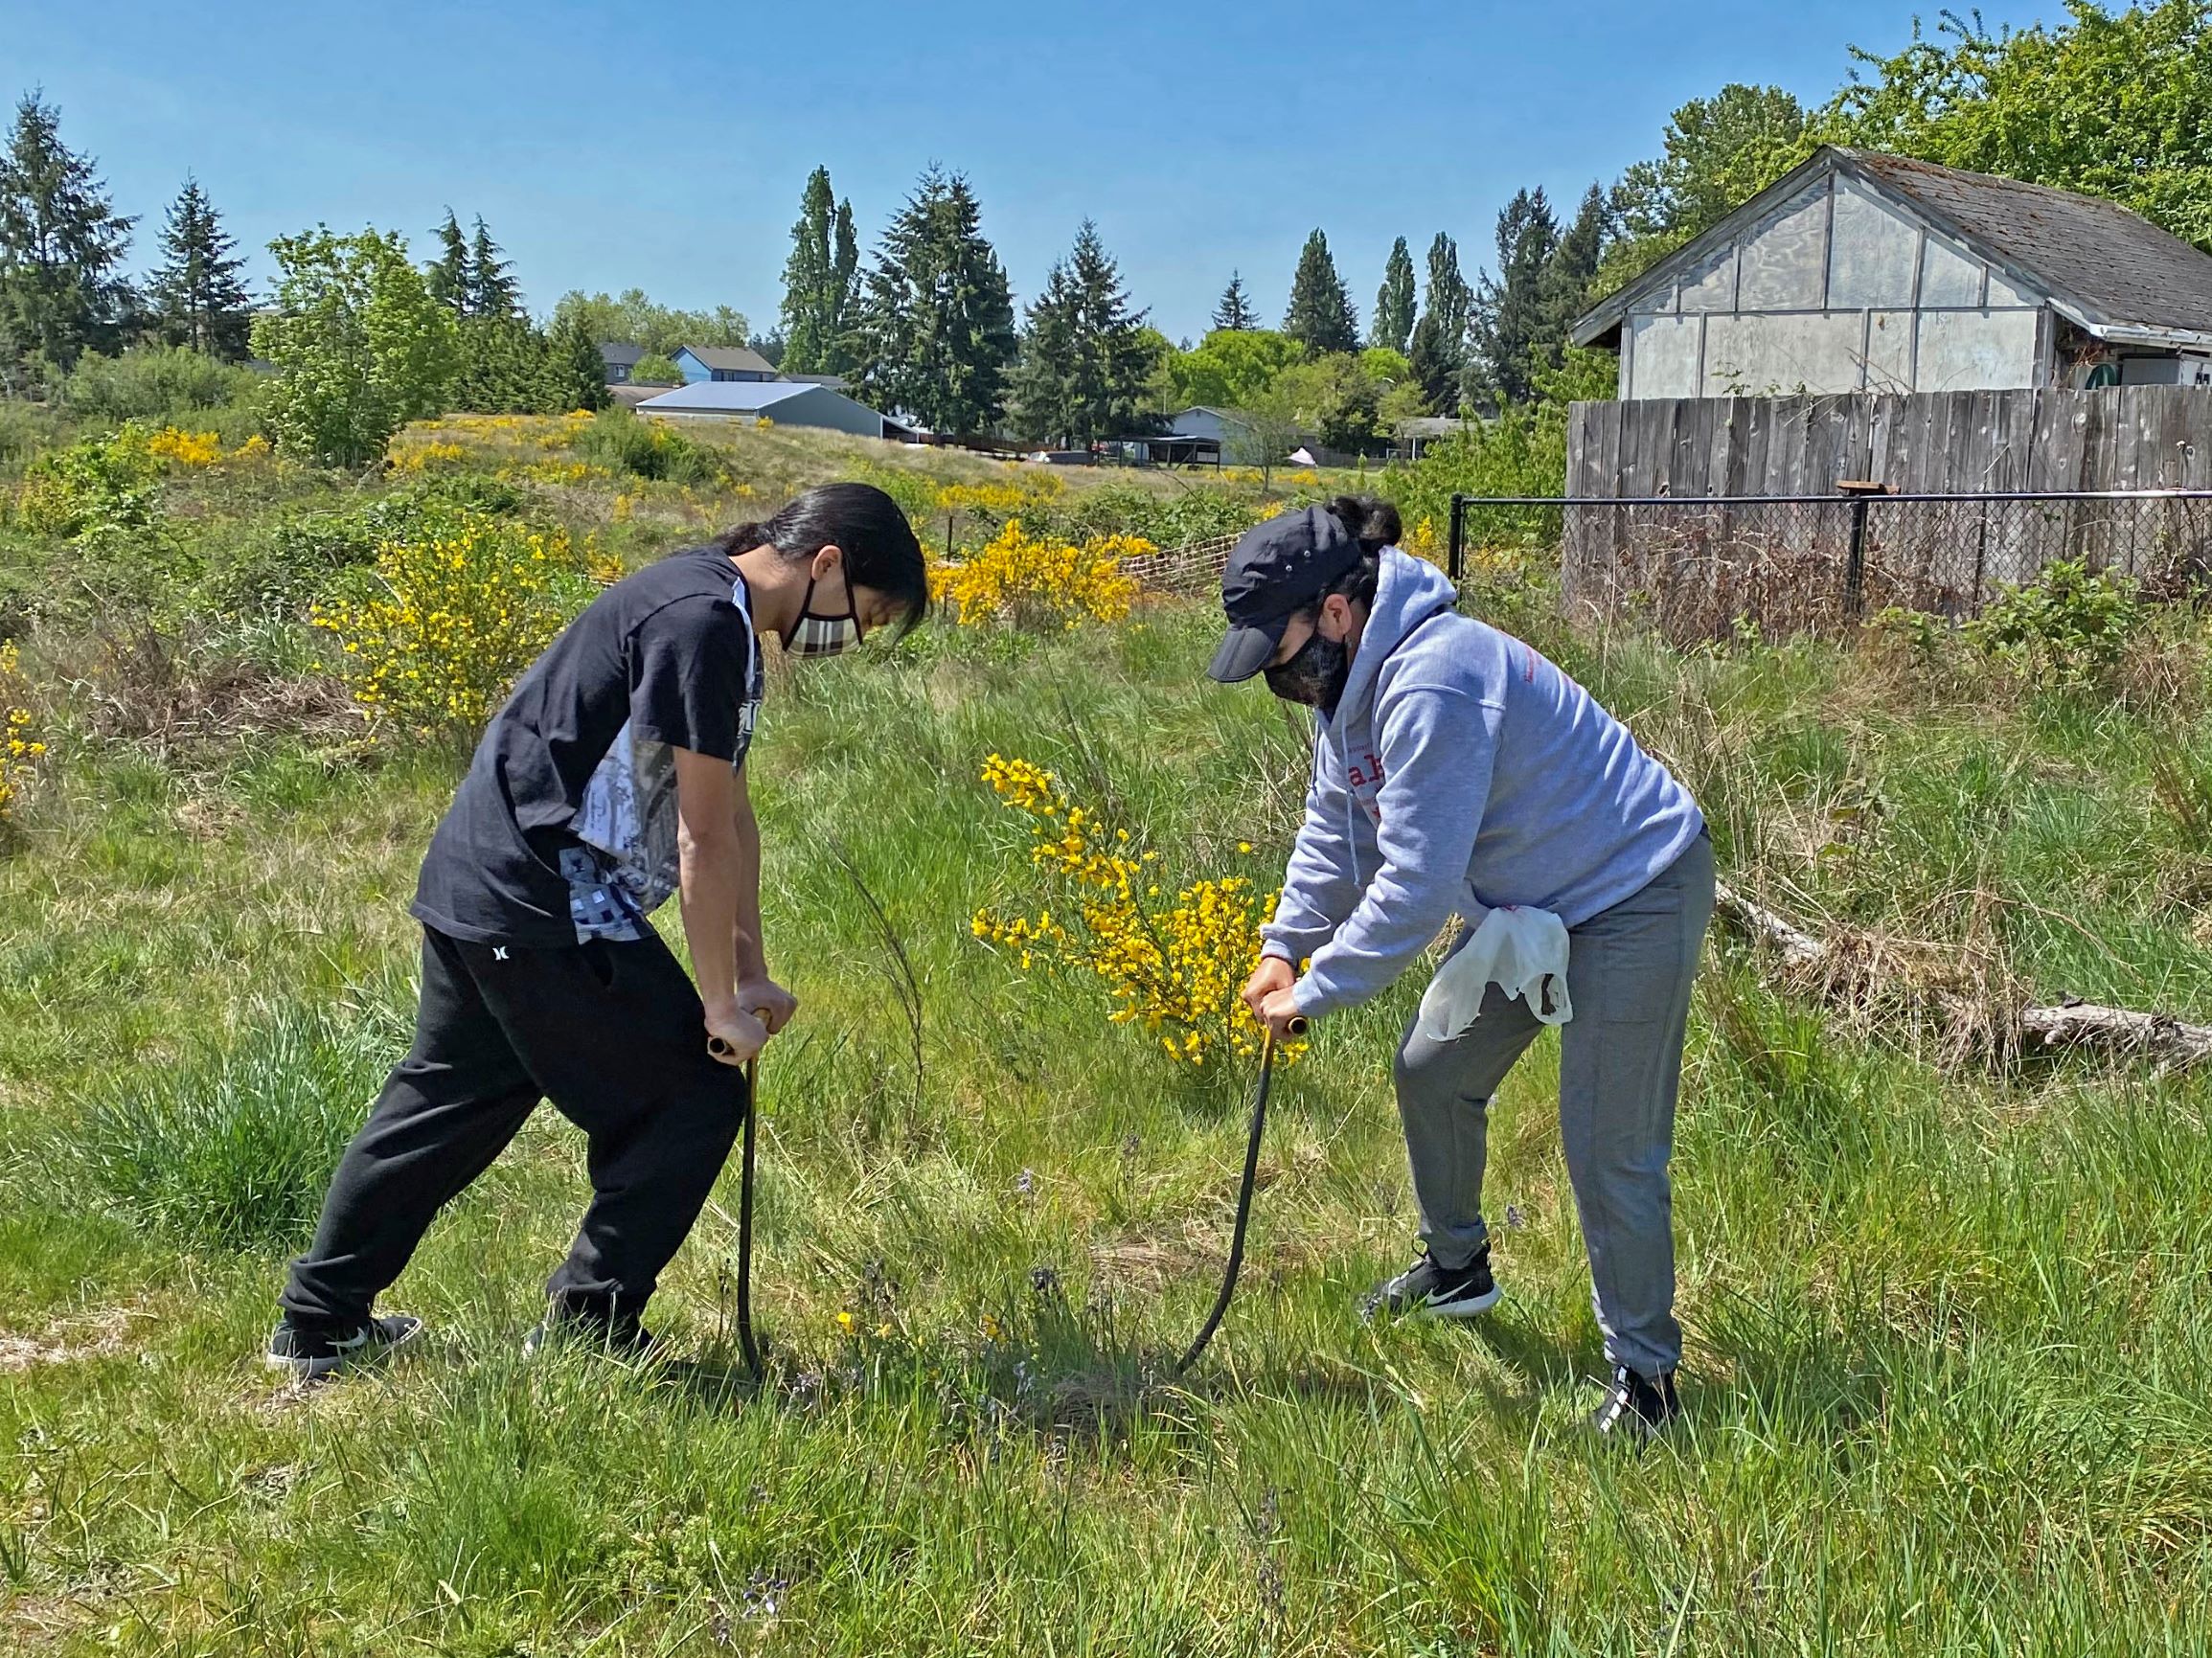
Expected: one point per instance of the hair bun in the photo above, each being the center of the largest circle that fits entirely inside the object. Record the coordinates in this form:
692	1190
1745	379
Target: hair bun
1368	519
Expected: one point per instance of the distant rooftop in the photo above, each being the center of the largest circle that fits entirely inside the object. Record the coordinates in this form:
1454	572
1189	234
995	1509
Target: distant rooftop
732	359
732	396
619	353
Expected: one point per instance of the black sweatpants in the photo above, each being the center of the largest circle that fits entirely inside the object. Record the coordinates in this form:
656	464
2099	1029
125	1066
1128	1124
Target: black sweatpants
612	1034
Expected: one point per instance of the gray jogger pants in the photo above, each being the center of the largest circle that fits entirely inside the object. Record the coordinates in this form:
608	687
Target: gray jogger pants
1630	969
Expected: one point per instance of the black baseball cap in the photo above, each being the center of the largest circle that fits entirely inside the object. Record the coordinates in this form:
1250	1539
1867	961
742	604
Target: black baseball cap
1276	570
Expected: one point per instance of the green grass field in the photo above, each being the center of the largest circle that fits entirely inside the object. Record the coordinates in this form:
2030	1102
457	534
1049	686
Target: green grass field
1949	1345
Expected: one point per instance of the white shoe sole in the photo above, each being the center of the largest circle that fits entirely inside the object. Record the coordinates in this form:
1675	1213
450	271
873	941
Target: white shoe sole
1469	1307
309	1369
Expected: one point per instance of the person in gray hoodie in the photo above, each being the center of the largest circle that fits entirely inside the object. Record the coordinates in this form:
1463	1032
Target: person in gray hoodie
1456	770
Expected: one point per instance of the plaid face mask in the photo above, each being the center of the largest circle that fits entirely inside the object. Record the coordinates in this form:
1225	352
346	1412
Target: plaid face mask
814	635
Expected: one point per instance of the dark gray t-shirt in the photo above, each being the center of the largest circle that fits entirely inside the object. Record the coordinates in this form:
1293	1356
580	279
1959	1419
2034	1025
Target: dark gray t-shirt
565	828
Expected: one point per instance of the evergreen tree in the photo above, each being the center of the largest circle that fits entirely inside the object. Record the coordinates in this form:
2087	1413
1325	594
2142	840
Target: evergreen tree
574	375
1438	349
61	244
1235	311
818	280
1320	317
1084	364
493	290
1394	303
447	276
502	365
1564	291
1508	326
935	327
199	300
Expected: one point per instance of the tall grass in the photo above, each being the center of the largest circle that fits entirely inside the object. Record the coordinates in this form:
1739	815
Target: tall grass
231	1144
1946	1313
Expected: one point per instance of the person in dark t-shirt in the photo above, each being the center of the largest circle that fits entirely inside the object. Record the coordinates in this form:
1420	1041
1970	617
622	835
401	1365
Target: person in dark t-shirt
613	779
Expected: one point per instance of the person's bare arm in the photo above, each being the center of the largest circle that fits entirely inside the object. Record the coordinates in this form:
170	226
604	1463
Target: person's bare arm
713	876
759	993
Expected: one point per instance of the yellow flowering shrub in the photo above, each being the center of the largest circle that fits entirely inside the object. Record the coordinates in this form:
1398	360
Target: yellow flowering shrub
1035	582
438	631
1173	961
423	457
20	749
1002	498
1422	540
185	448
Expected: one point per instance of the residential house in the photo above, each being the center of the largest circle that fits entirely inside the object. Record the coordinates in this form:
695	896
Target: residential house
722	363
619	357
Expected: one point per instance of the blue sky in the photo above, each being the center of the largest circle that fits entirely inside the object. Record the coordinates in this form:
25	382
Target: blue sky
664	145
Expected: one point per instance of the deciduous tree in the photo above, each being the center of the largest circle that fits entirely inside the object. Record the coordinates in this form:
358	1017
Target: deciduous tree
1394	313
633	319
819	278
1438	349
359	346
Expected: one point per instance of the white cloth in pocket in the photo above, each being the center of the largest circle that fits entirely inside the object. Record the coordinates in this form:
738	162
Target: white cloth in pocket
1518	949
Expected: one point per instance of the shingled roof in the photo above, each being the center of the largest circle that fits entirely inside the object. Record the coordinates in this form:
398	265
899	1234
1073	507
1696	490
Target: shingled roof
2091	255
2108	269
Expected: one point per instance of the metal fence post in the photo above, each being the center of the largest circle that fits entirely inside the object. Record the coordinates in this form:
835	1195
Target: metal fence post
1455	558
1859	493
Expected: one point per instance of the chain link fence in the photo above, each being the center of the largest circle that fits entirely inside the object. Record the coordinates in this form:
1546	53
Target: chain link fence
1695	567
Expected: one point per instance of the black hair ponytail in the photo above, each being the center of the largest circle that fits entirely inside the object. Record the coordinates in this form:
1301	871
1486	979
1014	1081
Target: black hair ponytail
1373	523
878	544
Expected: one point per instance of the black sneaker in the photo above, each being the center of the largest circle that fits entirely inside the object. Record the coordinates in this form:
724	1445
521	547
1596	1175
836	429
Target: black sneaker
312	1354
1637	1408
1431	1292
620	1338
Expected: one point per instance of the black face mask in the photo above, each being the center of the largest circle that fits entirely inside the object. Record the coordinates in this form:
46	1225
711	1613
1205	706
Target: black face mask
1315	674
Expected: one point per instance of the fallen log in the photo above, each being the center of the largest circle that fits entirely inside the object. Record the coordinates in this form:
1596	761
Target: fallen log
2072	1025
2119	1032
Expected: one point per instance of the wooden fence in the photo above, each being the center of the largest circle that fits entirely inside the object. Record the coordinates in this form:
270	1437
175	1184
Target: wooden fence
1786	549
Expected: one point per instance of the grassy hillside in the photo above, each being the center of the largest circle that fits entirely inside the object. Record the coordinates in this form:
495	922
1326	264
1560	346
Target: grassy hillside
1945	1309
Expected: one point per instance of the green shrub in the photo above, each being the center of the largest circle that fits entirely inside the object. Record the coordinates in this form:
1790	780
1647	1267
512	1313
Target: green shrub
2067	627
94	488
165	385
652	450
1174	519
231	1147
24	428
654	369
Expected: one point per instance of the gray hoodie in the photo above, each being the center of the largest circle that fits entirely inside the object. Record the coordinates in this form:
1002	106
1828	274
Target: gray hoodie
1461	772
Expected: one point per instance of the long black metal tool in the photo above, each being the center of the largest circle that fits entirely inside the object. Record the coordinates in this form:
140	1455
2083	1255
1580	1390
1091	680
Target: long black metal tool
1244	1195
745	1342
721	1049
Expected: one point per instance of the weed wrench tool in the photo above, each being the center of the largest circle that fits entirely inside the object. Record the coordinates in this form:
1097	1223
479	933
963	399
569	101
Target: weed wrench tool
745	1343
1244	1195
